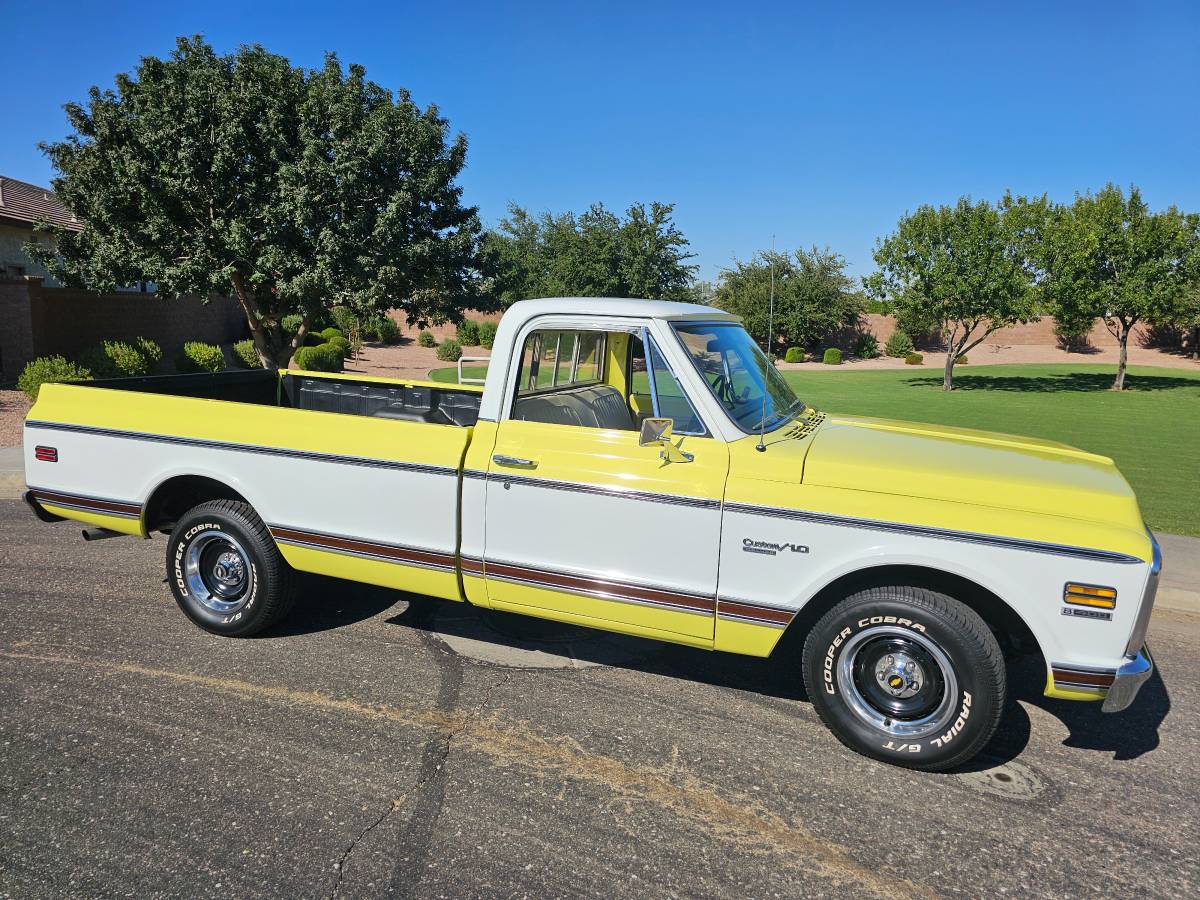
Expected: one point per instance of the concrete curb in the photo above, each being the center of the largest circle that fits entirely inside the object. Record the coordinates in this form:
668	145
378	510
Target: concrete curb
12	472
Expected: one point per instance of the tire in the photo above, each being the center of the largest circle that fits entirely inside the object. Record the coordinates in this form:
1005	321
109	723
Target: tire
907	676
225	571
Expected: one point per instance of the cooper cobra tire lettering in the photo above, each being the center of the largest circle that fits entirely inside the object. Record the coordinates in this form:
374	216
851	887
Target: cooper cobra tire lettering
949	640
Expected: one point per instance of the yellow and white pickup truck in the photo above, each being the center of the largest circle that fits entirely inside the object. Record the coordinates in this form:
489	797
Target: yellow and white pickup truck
635	466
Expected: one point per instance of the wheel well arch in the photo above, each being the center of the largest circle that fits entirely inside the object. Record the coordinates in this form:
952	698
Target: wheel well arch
175	496
1011	630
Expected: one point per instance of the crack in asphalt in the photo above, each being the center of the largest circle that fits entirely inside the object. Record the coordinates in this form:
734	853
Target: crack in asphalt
340	865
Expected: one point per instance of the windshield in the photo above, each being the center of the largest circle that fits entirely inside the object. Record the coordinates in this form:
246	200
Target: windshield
739	376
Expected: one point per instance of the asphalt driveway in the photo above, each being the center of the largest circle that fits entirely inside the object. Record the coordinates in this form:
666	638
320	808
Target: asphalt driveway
382	745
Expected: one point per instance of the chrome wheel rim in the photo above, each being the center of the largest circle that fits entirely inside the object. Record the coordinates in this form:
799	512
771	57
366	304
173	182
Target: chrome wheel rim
217	570
898	681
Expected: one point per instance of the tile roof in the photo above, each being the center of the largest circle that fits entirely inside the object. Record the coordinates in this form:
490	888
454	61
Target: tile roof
28	204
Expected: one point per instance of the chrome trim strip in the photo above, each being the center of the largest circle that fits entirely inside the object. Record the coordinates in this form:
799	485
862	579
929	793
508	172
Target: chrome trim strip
382	556
601	595
969	537
624	493
765	623
248	448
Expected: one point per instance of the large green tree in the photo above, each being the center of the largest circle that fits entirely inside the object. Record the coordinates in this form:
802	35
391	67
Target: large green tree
1108	256
962	269
814	297
291	190
594	254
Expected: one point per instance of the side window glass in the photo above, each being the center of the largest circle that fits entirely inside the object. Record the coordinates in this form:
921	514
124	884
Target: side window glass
672	401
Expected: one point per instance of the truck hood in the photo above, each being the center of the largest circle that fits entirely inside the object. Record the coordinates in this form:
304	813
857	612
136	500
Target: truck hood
966	466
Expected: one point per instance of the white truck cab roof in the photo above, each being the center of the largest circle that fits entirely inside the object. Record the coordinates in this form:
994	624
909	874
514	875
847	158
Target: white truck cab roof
523	310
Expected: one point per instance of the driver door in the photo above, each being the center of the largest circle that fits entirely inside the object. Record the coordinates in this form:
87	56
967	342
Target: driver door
585	525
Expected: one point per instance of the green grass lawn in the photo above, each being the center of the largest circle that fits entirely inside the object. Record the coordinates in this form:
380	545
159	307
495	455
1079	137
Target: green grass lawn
1152	430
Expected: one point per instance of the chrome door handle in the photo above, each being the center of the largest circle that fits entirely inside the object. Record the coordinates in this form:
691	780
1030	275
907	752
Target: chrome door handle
514	462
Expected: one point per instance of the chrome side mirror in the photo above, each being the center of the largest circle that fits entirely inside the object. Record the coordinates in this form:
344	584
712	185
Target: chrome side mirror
657	433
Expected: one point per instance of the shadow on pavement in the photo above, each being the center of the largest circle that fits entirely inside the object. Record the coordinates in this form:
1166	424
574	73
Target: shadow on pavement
325	604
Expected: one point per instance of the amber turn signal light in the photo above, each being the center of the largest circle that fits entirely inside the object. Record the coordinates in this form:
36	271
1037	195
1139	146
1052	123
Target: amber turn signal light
1090	595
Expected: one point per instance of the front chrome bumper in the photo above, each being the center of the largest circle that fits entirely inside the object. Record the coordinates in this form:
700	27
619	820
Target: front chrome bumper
1128	681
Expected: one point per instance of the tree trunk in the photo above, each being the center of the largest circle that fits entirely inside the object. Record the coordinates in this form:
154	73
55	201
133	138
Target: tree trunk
1196	342
948	372
1123	358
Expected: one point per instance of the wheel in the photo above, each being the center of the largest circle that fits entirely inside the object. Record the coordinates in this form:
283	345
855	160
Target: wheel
906	675
226	572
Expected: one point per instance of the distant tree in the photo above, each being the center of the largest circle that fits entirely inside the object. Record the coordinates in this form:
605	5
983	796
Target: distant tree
814	297
961	269
291	190
593	254
1108	256
703	292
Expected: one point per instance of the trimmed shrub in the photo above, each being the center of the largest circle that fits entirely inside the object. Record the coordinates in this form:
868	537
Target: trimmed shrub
449	351
899	344
342	344
426	339
962	360
487	334
150	351
388	330
331	332
314	339
468	333
116	359
246	354
196	356
794	355
291	324
833	357
866	346
914	359
46	369
323	358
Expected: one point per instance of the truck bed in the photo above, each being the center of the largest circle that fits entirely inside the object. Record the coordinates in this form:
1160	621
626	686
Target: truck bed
346	394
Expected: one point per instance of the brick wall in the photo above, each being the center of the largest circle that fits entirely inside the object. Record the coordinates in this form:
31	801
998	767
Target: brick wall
1039	333
42	321
440	332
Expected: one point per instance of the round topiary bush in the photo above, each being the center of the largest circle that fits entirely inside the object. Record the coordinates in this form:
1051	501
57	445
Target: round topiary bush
487	334
794	355
833	357
291	324
246	354
197	356
899	344
331	332
468	333
342	344
323	358
426	339
449	351
314	339
46	369
914	359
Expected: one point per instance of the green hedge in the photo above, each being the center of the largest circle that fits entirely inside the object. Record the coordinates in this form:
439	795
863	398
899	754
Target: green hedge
866	346
914	359
794	355
291	324
331	332
449	351
833	357
324	358
468	333
342	344
197	356
898	345
46	369
246	354
487	334
426	338
117	359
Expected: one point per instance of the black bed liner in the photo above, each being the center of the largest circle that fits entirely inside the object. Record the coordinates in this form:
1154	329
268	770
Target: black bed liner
447	405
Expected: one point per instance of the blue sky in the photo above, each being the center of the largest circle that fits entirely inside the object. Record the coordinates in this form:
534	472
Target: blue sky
816	124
